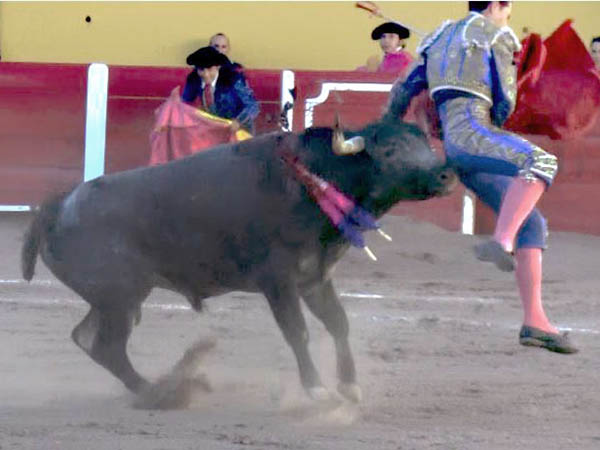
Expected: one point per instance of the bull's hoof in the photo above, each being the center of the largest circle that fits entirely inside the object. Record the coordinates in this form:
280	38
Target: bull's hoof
318	393
171	392
350	391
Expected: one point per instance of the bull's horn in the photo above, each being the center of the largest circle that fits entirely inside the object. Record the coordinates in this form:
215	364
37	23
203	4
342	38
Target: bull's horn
342	146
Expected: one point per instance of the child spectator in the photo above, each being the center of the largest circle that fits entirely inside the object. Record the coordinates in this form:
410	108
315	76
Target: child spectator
391	37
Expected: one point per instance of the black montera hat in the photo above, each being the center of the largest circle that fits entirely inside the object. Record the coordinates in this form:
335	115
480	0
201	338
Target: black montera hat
206	57
390	27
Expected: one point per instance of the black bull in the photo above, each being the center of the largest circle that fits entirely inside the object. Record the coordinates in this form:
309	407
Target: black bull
231	218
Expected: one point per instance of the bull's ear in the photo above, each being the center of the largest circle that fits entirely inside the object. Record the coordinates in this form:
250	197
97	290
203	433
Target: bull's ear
337	124
343	146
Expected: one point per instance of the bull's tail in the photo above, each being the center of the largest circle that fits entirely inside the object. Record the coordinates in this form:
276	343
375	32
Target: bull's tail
42	222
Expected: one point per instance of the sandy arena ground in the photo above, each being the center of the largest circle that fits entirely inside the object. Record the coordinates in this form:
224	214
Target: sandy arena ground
434	336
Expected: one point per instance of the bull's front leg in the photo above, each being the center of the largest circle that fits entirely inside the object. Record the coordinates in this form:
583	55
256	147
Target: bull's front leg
324	303
284	301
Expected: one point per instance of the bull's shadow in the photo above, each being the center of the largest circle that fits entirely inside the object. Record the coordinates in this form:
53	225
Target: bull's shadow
232	218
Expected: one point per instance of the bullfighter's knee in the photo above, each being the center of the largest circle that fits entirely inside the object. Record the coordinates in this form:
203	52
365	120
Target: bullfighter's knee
534	232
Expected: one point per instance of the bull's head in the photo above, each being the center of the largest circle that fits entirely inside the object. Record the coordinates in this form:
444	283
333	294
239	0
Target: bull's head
398	161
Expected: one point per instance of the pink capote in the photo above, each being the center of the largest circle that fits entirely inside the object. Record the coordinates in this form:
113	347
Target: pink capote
181	130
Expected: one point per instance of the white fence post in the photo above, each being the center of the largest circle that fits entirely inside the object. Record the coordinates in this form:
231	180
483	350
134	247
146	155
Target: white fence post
95	121
288	83
468	213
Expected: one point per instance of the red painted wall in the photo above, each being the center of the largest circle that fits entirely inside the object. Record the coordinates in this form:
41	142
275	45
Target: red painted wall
42	122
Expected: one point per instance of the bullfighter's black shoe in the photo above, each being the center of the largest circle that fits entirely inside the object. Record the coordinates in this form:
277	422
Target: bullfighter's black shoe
555	342
492	251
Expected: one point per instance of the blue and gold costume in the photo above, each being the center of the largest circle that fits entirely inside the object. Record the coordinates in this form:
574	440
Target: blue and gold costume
467	65
233	98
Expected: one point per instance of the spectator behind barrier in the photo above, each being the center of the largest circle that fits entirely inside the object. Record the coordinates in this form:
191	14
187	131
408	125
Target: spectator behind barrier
221	43
217	87
391	37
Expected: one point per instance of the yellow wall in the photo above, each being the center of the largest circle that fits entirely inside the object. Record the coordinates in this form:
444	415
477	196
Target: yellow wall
307	35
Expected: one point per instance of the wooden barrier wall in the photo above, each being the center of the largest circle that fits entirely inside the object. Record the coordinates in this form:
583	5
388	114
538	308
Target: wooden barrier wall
42	121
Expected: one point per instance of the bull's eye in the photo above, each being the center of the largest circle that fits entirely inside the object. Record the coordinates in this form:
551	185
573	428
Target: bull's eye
389	153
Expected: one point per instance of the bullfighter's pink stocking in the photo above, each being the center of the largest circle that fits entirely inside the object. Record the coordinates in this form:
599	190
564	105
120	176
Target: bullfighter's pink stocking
529	279
519	200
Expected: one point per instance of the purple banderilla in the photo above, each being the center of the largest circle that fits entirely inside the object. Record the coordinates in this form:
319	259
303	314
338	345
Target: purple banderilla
344	213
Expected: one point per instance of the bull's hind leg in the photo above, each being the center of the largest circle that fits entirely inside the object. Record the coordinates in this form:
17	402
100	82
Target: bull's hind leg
105	268
324	303
285	303
103	335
